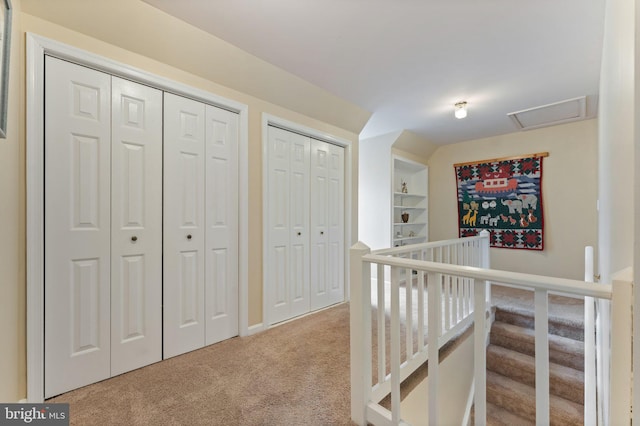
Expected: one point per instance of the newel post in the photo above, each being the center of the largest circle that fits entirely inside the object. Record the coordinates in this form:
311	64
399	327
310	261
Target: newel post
360	337
621	332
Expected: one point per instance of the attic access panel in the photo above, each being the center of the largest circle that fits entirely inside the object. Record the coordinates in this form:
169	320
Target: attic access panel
551	114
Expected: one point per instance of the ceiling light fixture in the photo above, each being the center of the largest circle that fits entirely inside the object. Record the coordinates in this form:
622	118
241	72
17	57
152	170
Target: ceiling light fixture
461	110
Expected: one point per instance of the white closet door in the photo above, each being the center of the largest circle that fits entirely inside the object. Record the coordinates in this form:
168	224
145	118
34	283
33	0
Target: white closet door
299	224
288	225
335	221
221	271
77	226
327	224
136	226
184	225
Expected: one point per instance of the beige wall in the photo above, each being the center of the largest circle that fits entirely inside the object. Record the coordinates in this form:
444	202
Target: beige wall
456	370
12	232
164	57
569	194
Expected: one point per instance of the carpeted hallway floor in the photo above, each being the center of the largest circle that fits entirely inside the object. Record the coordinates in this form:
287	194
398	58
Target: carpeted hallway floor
293	374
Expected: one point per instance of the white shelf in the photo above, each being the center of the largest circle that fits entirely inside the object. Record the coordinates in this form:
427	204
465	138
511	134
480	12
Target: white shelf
408	195
414	202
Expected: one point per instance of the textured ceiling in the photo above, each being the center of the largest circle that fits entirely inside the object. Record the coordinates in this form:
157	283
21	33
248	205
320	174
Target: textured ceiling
409	61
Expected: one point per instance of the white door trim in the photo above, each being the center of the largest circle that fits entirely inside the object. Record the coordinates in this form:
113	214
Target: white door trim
37	48
271	120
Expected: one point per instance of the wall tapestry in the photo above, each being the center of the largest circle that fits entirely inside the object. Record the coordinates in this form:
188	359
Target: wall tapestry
503	196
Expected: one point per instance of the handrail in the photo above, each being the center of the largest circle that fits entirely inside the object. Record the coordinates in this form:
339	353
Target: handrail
515	279
425	246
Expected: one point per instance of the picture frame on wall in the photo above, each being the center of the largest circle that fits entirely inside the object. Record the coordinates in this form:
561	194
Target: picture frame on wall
5	55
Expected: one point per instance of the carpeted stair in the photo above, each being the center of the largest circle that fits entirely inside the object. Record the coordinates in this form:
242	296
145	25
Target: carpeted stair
511	370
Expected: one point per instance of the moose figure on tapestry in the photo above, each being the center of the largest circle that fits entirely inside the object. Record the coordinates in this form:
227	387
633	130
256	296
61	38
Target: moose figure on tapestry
503	196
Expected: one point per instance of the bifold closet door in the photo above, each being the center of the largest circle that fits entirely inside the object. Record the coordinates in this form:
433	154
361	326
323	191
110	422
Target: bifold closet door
221	211
184	225
200	225
77	226
103	148
136	226
287	199
327	224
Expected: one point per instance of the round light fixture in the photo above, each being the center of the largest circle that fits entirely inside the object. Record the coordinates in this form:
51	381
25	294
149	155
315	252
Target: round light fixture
460	110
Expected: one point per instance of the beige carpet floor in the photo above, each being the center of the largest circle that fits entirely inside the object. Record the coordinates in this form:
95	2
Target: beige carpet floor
562	308
293	374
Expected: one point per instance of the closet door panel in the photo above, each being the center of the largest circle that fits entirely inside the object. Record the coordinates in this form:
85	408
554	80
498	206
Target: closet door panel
184	225
77	226
327	221
336	240
299	230
288	224
278	226
319	223
221	274
136	228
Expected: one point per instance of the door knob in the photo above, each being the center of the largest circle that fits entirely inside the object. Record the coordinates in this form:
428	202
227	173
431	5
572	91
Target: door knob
134	238
189	237
321	232
299	233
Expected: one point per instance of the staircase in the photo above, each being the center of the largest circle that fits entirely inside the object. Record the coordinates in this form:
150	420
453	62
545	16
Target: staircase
511	370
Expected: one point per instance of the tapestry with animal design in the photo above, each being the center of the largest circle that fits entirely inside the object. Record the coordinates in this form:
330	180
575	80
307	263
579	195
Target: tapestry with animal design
503	196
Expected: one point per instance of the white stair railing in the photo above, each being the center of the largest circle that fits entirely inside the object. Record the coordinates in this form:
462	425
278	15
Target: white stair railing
446	300
591	405
365	397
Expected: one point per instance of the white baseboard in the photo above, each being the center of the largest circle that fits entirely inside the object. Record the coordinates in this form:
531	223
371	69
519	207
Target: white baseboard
23	401
256	328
